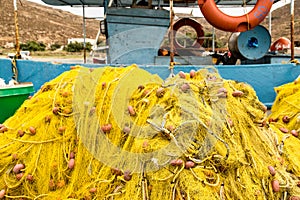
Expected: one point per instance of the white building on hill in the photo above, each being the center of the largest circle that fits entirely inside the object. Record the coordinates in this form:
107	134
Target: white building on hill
81	40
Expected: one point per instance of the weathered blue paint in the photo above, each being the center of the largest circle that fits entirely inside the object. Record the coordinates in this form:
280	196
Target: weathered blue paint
262	77
135	35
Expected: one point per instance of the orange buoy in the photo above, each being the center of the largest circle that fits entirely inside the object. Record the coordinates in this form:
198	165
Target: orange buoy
229	23
281	44
193	24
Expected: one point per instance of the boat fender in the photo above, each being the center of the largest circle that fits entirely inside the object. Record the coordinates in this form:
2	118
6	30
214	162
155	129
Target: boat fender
192	23
281	44
225	22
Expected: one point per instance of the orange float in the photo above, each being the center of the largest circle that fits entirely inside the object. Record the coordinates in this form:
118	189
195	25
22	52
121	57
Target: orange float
281	44
229	23
193	24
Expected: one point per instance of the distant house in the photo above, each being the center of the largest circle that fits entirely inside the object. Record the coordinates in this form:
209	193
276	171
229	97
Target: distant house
81	40
9	45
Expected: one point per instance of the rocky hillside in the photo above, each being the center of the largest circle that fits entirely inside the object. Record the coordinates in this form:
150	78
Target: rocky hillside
48	25
42	23
281	21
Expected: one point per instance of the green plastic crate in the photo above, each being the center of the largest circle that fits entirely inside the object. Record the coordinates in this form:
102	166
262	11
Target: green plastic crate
11	98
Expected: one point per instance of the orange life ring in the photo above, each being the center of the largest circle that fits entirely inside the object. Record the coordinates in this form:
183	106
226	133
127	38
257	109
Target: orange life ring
228	23
192	23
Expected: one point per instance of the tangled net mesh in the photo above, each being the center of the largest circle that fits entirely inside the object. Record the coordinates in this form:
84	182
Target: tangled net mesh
285	120
123	133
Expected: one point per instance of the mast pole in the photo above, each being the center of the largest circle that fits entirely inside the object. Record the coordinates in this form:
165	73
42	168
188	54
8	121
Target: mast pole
292	30
18	55
84	35
171	38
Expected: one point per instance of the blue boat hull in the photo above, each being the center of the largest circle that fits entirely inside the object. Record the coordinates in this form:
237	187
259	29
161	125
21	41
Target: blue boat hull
262	77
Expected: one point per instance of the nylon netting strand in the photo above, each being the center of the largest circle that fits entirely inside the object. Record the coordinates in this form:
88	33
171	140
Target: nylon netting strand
123	133
285	120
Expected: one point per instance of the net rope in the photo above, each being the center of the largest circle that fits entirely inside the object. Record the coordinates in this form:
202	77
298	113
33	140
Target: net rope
123	133
285	120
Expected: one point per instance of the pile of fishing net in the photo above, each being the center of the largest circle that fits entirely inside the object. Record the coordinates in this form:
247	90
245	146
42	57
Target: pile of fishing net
285	120
123	133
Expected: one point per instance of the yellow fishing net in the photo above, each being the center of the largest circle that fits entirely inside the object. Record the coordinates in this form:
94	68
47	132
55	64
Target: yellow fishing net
123	133
285	120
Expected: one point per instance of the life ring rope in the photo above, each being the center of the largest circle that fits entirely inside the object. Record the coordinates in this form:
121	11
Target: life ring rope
229	23
248	22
